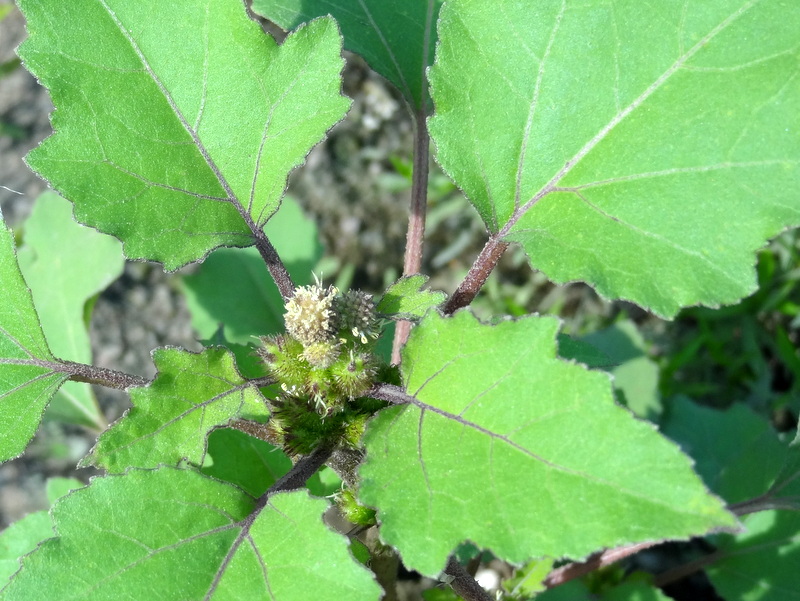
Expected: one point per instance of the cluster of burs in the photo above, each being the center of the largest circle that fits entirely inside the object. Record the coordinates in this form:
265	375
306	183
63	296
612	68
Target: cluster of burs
324	364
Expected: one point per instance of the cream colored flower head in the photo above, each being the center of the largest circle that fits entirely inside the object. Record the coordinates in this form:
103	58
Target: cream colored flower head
310	317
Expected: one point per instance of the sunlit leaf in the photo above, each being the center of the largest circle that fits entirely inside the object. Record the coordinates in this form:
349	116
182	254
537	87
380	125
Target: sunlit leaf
521	452
65	265
171	418
28	379
406	299
648	149
177	123
178	535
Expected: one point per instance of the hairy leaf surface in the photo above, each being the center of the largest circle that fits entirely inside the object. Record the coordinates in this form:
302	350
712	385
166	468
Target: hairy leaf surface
396	38
406	299
178	535
28	378
65	265
516	450
171	418
645	148
177	123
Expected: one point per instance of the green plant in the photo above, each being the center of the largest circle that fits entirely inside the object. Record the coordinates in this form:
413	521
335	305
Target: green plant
649	151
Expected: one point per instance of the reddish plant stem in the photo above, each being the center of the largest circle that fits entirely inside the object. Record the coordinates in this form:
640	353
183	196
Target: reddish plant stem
390	393
464	585
256	430
101	376
416	221
604	558
477	275
275	266
594	562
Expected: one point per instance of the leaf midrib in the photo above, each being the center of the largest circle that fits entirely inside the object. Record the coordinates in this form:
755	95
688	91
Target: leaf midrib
551	185
176	110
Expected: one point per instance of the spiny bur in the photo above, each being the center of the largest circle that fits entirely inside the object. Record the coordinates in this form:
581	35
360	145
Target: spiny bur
323	364
356	313
353	511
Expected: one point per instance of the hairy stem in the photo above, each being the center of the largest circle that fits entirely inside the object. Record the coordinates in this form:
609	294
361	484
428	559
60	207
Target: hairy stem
602	559
295	478
464	585
389	393
762	503
416	221
262	381
477	275
384	563
110	378
345	462
274	263
301	471
256	430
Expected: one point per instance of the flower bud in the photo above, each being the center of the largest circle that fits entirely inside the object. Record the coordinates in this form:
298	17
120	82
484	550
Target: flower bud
357	315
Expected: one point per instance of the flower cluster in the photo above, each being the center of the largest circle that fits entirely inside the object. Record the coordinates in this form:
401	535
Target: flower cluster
324	365
326	355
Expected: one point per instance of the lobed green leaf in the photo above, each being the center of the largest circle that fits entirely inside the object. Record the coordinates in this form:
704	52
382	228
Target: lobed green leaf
66	265
177	123
516	450
397	39
28	379
406	299
646	149
171	418
178	535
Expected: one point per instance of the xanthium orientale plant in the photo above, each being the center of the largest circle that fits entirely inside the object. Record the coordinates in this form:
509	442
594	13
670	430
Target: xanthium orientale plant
647	149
